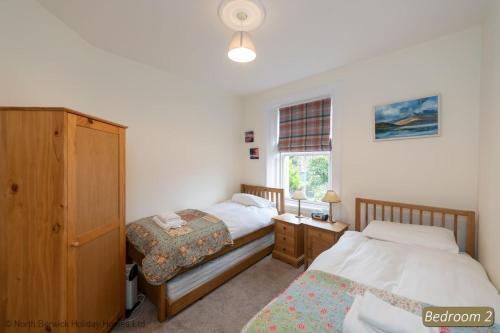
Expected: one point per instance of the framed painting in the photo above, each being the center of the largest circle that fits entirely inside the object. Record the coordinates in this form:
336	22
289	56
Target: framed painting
254	153
415	118
249	137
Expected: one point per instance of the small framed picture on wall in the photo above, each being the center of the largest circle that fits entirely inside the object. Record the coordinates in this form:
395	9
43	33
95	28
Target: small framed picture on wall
248	136
254	153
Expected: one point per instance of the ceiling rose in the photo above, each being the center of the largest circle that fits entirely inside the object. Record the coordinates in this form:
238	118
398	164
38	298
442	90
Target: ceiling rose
231	13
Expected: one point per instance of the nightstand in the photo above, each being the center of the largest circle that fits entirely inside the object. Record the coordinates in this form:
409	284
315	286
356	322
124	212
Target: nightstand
320	236
289	239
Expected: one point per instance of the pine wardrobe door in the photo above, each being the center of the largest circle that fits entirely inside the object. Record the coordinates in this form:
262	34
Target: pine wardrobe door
96	257
32	221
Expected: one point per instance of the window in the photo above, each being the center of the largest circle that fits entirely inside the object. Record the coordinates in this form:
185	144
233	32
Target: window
305	148
307	171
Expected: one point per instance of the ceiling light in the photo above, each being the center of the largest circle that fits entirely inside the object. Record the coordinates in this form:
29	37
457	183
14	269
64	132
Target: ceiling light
242	16
241	48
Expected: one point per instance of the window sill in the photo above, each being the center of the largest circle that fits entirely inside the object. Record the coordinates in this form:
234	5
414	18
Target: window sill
305	207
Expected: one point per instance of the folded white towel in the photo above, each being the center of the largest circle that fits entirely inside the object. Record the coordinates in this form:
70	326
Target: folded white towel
159	222
352	324
165	217
177	223
388	318
171	224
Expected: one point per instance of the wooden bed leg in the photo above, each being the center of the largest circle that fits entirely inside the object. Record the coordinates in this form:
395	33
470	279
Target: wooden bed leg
157	296
161	303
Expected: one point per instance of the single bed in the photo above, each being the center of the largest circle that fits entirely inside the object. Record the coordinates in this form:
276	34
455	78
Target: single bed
242	220
400	272
252	232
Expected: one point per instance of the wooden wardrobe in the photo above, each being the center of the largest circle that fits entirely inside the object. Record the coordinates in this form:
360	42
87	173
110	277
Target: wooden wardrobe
62	230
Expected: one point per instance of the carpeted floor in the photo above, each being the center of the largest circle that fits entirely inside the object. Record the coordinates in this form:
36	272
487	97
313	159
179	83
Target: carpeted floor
225	310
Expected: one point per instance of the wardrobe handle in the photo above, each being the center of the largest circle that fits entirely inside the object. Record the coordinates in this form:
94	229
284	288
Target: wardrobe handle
75	244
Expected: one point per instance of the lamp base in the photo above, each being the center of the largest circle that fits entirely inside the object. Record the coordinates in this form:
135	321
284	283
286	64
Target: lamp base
330	216
299	215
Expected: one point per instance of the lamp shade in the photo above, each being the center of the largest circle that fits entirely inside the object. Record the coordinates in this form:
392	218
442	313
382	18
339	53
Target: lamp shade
299	195
241	47
331	197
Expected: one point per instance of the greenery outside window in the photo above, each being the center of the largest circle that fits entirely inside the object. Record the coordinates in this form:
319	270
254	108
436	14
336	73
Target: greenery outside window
307	171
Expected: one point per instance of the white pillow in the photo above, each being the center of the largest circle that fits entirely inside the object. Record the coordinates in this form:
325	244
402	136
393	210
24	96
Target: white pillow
421	235
251	200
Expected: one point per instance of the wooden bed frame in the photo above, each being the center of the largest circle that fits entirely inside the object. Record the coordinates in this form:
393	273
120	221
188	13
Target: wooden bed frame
423	215
157	294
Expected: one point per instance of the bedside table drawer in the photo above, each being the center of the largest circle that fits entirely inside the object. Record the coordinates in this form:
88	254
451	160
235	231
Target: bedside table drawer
321	236
285	250
288	239
284	229
285	244
284	239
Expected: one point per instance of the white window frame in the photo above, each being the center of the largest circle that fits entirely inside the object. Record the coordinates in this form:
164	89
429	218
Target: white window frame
291	202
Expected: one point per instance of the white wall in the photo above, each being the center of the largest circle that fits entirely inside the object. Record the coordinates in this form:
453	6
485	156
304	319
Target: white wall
183	137
184	142
489	146
439	171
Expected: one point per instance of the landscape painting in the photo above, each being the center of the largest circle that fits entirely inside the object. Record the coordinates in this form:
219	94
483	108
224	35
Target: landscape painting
408	119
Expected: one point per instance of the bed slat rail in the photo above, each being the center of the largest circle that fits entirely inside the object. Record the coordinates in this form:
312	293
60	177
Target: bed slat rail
276	195
452	219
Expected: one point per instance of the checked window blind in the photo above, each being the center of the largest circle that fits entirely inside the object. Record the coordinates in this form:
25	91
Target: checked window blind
305	127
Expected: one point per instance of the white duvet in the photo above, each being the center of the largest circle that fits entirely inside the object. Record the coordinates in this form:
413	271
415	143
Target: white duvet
240	219
430	276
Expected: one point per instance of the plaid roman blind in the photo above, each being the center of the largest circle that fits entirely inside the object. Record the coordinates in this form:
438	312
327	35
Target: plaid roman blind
305	127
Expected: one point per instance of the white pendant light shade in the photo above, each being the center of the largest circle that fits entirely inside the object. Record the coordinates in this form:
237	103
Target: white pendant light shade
241	48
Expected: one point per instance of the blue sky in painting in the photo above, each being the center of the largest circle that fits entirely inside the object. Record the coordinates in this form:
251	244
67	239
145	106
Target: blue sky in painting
400	110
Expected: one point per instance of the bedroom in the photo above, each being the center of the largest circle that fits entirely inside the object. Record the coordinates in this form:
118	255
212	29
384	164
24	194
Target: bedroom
161	69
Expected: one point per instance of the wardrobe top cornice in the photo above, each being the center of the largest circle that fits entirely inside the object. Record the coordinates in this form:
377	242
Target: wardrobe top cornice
57	108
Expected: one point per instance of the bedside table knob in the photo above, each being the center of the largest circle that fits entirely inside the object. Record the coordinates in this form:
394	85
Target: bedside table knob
284	238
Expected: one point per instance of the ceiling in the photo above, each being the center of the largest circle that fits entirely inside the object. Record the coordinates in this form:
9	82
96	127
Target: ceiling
299	37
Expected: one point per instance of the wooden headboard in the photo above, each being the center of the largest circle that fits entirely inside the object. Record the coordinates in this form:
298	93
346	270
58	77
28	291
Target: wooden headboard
276	195
456	220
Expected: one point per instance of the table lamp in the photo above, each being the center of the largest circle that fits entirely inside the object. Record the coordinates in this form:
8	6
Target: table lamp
331	197
299	195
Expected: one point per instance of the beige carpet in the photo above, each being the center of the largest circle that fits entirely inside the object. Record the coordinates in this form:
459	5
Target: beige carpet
225	310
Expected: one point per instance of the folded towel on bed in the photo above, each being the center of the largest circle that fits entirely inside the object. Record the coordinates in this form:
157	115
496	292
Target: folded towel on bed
369	314
390	319
170	224
165	217
352	324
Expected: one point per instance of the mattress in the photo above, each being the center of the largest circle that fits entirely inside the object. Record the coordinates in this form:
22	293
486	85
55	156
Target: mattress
425	275
194	278
242	220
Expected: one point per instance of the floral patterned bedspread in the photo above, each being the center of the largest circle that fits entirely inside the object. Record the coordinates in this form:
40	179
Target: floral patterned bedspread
167	252
318	302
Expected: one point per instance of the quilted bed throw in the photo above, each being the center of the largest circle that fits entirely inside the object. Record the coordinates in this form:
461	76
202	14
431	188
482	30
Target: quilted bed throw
318	302
167	252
